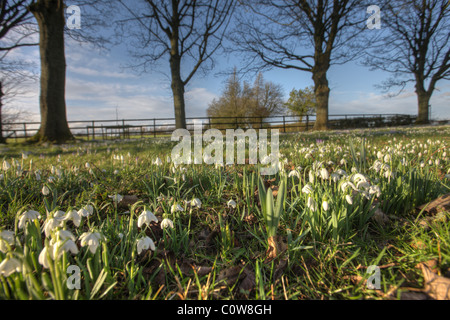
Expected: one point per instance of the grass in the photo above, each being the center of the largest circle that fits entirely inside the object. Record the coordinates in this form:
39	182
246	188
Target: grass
216	250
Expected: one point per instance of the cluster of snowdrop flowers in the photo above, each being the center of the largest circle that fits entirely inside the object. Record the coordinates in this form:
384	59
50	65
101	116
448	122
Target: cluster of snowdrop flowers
60	242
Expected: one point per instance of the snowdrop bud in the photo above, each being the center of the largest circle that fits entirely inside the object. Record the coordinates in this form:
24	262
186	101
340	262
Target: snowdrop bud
325	206
311	204
311	176
45	191
349	199
6	165
232	204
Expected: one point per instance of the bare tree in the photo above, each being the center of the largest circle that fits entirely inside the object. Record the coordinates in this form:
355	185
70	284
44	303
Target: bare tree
187	32
16	25
308	35
415	48
15	76
50	16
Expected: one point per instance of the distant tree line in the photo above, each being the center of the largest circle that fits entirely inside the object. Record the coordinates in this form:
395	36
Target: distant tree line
412	43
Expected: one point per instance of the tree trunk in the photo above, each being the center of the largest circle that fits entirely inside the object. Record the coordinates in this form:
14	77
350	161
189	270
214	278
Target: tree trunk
178	92
423	98
2	138
322	93
50	17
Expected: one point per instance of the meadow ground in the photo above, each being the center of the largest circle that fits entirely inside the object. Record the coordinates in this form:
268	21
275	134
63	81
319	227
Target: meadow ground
342	219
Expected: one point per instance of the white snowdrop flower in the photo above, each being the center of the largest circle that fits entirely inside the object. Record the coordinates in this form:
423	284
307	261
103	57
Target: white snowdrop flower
87	165
343	162
166	223
63	235
334	177
354	170
324	174
307	189
294	173
45	191
311	204
62	246
7	238
6	166
311	176
28	216
325	206
347	184
120	235
51	224
158	162
146	217
75	216
176	207
362	185
387	158
9	266
379	155
232	204
341	172
116	172
116	198
45	255
375	190
196	203
349	199
145	244
92	240
359	177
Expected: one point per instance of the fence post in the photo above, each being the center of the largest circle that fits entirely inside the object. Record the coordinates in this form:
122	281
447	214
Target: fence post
284	124
25	130
154	128
307	122
93	130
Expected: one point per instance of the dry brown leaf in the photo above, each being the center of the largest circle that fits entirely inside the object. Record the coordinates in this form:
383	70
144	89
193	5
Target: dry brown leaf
438	205
436	287
380	217
279	270
276	248
128	200
230	275
249	281
413	296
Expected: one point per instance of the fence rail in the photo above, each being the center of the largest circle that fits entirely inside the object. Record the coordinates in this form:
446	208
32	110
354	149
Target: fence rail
132	128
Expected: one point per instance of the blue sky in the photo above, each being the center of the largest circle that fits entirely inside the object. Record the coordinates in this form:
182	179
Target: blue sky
100	87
